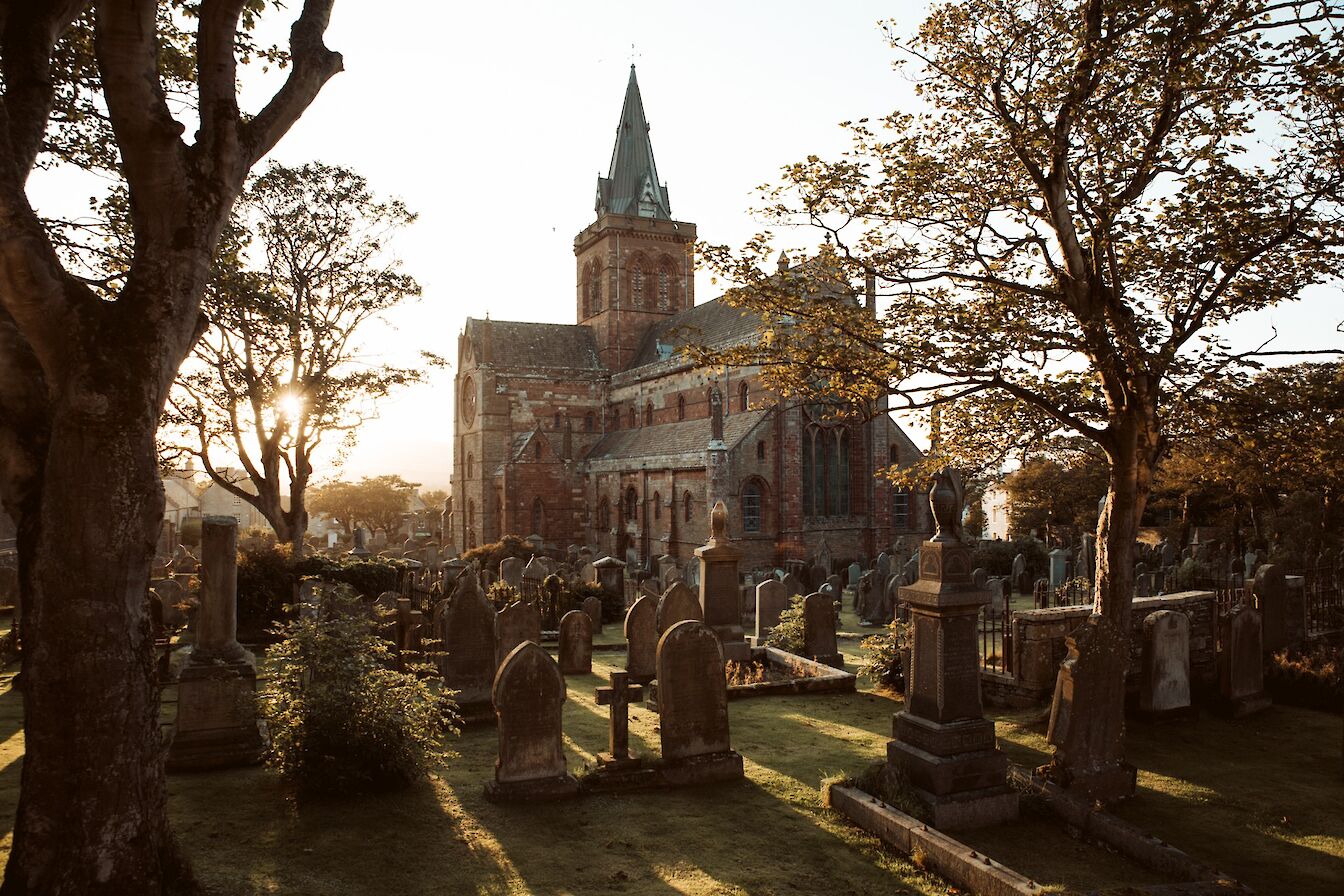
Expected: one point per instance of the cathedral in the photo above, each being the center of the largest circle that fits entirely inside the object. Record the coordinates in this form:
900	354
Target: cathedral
602	433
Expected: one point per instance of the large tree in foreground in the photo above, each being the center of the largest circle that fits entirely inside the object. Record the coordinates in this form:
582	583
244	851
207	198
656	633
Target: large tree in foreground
86	373
280	367
1096	187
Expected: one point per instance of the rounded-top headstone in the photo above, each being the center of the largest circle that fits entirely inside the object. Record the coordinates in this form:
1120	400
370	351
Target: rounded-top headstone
641	639
692	692
678	604
576	643
528	693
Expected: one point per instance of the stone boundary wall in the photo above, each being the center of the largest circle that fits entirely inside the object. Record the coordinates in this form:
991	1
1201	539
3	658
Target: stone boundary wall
1038	647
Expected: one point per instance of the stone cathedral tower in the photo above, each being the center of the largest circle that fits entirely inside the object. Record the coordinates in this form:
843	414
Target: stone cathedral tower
634	263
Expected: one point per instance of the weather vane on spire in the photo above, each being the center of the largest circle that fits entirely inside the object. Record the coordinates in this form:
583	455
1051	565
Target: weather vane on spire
633	55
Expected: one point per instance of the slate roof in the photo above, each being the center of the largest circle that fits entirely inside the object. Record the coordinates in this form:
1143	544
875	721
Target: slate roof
714	324
534	345
683	437
633	175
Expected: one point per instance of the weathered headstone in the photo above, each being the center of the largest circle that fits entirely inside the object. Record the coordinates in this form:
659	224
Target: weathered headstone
511	572
819	630
837	586
1241	669
855	572
587	573
772	599
528	696
678	604
1271	599
576	643
593	607
641	640
1164	675
216	725
693	704
1019	575
1059	567
465	627
998	601
518	622
794	585
618	696
611	576
882	566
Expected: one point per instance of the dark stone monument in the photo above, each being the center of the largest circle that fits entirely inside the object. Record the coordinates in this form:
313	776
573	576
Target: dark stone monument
465	626
943	743
528	694
611	576
217	725
1241	664
641	640
593	607
576	643
693	704
1271	599
518	622
819	630
772	599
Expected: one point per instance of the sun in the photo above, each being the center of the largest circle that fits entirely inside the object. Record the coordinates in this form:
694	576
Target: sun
289	405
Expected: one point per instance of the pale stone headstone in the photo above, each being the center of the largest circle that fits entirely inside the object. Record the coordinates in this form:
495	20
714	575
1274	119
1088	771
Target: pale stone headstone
576	643
819	630
528	695
1059	566
692	692
998	587
980	578
678	604
641	640
593	607
518	622
465	627
855	573
511	572
1164	677
587	573
772	599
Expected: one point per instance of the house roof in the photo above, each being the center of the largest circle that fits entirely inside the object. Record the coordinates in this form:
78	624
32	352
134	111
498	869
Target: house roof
632	177
682	437
511	343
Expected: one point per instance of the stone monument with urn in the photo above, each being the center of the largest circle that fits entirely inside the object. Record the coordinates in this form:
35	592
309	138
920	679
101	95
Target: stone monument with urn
943	743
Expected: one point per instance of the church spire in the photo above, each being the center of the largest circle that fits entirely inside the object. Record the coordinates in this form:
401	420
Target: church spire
631	186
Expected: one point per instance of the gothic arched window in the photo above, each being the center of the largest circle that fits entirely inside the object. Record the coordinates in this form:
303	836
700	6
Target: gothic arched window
634	421
657	506
648	414
681	407
826	486
588	422
603	513
742	395
688	504
752	505
631	504
471	465
900	509
637	282
666	288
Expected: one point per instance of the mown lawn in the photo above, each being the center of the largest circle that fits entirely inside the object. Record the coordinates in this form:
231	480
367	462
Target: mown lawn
1258	798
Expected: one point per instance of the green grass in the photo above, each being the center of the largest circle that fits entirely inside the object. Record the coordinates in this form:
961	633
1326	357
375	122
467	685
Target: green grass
1258	798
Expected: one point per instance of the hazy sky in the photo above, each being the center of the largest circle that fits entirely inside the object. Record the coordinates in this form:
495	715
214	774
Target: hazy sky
493	121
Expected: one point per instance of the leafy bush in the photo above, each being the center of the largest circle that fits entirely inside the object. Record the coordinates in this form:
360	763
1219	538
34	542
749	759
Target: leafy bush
190	532
1313	678
268	575
501	594
491	555
341	718
788	634
882	661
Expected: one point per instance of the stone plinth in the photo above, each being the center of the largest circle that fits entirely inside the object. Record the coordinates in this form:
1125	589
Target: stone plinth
719	591
217	725
610	574
943	743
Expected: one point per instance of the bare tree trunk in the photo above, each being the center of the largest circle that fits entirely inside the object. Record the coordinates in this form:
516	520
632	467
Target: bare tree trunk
92	802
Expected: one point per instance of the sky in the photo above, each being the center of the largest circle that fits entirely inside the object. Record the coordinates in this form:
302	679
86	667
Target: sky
492	121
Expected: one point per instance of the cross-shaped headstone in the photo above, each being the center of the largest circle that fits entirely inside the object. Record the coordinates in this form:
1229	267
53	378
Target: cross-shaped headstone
619	697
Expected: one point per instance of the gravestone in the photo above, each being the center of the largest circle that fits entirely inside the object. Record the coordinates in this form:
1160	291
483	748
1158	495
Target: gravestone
793	585
618	696
587	573
576	643
868	602
1241	663
1271	599
837	586
819	630
720	595
693	705
855	573
611	576
942	741
1020	579
641	640
217	725
535	570
173	595
678	604
998	601
593	607
528	696
1059	567
465	627
910	572
891	596
1142	582
772	599
815	578
518	622
1164	673
882	566
823	559
511	573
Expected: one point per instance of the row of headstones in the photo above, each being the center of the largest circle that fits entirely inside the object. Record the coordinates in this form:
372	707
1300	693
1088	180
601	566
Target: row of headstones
529	692
1164	676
